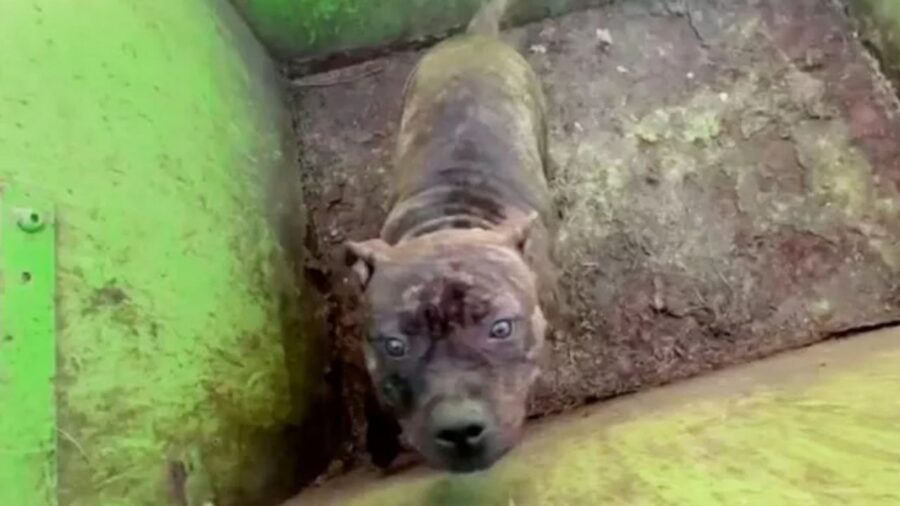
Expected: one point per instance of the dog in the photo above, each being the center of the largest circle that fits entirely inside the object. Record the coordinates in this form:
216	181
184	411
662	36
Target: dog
454	285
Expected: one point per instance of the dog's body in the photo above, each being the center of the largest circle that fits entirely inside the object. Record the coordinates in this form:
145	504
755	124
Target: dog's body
457	326
472	143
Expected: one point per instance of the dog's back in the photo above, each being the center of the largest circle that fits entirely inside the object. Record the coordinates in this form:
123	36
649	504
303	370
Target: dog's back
471	148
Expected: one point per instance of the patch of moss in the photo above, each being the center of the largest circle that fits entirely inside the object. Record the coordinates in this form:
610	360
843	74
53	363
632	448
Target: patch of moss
697	121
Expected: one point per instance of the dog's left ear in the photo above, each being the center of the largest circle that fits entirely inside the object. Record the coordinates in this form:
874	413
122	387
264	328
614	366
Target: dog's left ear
517	231
365	256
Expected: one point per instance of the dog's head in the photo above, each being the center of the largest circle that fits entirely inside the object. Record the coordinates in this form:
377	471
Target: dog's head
455	337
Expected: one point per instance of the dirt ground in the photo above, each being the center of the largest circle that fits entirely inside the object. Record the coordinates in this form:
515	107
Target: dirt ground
727	177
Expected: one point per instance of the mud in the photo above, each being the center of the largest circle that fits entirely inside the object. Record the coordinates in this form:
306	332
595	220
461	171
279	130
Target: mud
726	177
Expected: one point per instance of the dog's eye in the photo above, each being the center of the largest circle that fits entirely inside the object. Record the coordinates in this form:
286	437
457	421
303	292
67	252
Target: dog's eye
501	329
394	347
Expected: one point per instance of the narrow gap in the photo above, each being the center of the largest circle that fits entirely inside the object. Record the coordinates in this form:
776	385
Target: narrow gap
329	437
862	329
593	400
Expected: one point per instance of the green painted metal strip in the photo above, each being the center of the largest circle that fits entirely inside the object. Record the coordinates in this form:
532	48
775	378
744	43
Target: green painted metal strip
28	468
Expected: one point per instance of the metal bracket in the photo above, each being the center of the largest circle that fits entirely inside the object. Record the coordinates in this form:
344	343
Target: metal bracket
28	464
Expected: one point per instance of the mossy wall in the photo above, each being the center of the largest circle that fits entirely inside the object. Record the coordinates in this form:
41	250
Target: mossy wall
311	28
157	131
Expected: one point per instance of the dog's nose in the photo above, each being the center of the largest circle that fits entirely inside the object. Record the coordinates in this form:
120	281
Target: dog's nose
467	436
460	427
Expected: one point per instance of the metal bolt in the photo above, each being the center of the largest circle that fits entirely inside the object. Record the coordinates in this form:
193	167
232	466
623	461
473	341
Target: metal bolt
30	221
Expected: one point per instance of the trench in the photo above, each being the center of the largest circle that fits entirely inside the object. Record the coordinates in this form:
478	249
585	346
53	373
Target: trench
727	187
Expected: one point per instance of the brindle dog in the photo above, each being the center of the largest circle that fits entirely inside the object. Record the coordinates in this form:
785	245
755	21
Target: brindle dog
456	281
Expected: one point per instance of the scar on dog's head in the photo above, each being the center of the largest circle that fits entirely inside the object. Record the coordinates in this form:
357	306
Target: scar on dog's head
455	338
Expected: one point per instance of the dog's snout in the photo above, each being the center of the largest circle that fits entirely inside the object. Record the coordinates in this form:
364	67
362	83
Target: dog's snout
460	427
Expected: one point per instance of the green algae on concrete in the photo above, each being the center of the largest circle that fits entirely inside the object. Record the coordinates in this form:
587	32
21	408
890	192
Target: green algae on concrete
308	28
813	427
155	130
880	20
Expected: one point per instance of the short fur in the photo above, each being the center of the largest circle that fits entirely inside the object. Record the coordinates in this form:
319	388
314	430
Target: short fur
463	247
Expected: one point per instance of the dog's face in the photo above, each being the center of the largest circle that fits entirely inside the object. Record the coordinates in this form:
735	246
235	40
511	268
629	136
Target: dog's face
455	336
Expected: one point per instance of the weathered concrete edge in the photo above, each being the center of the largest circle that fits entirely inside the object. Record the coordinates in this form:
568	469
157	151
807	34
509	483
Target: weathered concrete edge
777	431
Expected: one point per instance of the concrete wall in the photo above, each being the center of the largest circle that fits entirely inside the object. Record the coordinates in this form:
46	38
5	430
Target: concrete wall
313	28
157	133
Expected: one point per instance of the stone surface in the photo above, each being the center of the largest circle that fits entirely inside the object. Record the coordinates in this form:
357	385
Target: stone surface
726	177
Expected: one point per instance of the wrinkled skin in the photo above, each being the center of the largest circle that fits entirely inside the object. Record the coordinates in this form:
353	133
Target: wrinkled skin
441	296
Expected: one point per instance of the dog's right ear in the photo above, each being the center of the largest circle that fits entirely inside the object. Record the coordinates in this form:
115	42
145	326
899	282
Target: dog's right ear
517	231
364	256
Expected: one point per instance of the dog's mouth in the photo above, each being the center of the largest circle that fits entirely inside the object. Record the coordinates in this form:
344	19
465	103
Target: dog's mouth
465	458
